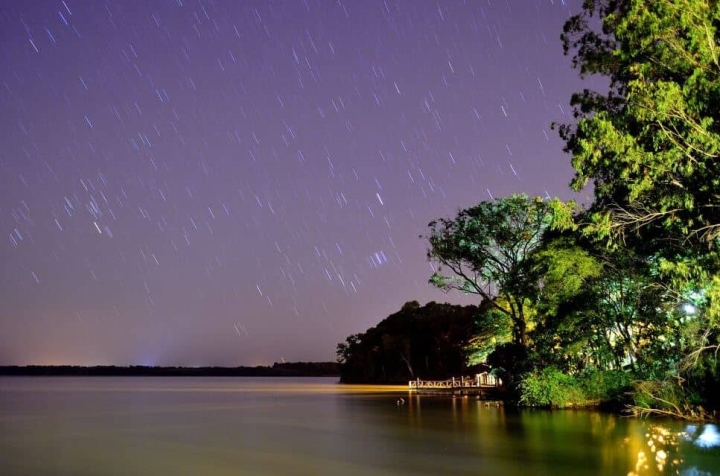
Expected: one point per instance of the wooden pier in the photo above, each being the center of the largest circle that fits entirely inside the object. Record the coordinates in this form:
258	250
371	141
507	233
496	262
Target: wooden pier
482	385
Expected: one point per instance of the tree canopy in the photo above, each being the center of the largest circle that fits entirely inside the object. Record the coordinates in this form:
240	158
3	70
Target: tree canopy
416	342
483	251
650	143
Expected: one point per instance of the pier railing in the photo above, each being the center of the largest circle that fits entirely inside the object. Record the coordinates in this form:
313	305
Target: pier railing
481	380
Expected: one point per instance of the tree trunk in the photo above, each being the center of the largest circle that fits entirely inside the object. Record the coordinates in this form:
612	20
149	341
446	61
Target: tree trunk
407	362
520	332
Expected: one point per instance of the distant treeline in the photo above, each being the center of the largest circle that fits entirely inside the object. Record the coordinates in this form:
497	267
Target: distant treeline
285	369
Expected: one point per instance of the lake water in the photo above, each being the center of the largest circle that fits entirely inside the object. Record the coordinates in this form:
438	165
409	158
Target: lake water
250	426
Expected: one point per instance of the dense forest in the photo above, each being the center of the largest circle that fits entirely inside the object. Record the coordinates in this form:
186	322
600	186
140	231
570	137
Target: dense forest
428	342
616	300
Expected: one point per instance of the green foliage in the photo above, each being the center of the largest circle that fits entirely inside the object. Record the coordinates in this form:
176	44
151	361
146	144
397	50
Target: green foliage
563	268
667	397
550	387
713	296
483	250
605	385
649	144
492	329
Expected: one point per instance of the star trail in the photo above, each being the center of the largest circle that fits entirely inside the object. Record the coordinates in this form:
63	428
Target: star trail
189	182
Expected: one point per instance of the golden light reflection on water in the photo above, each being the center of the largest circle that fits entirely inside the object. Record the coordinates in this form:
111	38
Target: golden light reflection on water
655	451
180	384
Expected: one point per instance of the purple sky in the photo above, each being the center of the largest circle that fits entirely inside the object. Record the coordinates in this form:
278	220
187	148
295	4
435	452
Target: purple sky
201	182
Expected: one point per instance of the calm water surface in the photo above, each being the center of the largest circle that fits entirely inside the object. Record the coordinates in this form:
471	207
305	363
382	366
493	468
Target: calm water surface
247	426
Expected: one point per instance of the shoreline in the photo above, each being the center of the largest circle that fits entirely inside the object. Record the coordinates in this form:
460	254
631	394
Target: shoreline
288	369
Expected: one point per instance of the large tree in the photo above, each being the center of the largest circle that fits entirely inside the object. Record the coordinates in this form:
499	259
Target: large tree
649	143
483	251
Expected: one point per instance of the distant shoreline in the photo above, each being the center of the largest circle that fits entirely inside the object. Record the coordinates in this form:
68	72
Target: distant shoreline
286	369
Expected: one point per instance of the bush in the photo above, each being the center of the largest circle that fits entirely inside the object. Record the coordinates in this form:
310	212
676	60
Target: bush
551	388
605	386
668	398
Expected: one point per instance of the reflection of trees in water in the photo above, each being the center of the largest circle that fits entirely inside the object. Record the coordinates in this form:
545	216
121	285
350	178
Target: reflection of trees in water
467	414
526	442
569	439
430	435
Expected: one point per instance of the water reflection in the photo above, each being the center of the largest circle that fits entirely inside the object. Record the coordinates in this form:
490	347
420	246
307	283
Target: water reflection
672	448
507	441
705	436
656	450
314	426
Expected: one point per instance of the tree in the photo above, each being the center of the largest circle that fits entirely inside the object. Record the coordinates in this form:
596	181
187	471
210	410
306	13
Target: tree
485	248
564	266
650	144
606	309
492	329
564	269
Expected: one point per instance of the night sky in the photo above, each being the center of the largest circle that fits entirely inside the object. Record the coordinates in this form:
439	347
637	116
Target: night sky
199	182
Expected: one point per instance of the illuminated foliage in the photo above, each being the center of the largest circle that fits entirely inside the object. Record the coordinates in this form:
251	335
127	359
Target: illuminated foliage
483	251
650	146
